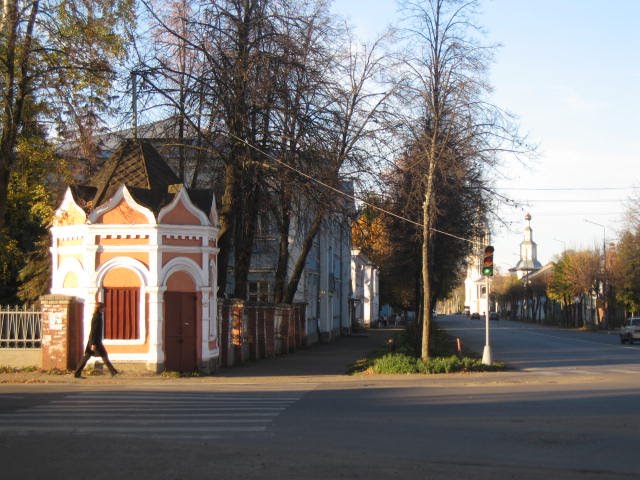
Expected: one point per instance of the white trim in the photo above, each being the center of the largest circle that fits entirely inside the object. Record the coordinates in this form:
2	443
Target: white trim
69	265
67	202
183	197
122	194
182	264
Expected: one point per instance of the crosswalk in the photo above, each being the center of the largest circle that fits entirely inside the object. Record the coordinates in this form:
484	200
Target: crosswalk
201	415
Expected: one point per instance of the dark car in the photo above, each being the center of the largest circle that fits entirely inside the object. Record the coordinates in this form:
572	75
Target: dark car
494	316
475	316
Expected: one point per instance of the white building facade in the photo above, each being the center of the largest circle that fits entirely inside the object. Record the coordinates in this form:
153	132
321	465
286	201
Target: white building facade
475	290
365	285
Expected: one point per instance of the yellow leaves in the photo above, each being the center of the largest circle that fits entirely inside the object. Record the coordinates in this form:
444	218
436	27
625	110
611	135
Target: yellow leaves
370	235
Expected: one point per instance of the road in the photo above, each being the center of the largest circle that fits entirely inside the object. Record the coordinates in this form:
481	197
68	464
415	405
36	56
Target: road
547	350
569	411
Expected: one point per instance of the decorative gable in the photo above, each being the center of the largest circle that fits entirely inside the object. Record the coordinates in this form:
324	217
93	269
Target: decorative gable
122	209
181	211
69	213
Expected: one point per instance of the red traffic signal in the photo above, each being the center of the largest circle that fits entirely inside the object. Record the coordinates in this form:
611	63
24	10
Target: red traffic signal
487	266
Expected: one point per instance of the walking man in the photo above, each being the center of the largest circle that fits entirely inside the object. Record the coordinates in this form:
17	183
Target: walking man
95	348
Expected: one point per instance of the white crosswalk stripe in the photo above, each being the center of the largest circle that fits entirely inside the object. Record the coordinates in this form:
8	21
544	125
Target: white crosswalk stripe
153	414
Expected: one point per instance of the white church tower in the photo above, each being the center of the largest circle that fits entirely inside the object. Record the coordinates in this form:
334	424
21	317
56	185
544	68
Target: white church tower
528	262
475	292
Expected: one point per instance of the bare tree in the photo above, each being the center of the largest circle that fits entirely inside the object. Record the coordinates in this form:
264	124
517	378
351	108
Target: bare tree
445	89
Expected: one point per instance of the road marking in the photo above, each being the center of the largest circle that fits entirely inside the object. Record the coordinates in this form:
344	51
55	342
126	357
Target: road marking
201	415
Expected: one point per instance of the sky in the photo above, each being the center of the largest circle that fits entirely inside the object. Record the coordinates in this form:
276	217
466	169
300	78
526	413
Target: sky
569	70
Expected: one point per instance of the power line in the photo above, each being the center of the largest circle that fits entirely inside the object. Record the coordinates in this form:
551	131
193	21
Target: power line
340	192
564	189
574	200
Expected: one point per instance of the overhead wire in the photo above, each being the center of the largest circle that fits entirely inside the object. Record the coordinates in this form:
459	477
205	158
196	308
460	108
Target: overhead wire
340	192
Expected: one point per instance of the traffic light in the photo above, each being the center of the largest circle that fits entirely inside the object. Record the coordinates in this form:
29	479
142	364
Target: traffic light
487	266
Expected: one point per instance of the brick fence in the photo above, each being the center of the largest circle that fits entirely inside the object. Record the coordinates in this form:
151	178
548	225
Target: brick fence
247	332
254	331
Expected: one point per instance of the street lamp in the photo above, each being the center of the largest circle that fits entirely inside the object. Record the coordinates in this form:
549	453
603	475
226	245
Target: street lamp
604	232
564	244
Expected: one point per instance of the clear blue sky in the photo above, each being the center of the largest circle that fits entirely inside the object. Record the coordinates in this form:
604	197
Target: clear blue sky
570	71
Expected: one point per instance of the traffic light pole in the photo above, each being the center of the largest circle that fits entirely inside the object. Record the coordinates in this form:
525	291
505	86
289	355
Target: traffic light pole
486	354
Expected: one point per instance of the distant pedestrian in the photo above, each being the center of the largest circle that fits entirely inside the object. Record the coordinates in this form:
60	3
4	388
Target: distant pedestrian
94	347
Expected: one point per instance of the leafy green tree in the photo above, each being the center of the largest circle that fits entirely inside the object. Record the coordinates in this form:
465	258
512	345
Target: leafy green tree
57	64
56	68
576	274
626	270
32	189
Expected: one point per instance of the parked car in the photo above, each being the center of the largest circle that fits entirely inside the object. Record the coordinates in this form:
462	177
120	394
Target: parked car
630	331
494	316
475	316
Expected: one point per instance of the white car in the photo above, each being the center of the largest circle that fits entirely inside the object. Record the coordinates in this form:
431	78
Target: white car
630	331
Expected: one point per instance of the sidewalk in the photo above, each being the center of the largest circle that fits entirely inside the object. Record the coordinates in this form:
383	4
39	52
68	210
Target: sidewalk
325	360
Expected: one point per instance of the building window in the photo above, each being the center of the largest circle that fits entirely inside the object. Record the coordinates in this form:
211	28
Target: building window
122	313
259	292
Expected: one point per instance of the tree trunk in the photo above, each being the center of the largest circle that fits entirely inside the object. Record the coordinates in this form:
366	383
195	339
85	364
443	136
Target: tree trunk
283	252
227	224
307	243
246	232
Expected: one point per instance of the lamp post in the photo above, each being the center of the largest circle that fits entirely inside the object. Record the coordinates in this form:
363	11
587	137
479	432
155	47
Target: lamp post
564	244
604	235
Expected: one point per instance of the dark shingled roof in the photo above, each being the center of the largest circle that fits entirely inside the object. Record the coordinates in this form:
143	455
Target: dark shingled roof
139	166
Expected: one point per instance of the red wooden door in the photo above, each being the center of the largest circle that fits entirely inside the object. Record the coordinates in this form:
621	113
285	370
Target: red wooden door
180	331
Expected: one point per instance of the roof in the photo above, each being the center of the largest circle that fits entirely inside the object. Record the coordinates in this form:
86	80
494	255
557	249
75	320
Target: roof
138	165
526	266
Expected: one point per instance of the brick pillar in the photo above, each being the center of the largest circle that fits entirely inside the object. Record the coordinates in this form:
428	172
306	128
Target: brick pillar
62	331
237	330
269	332
260	333
252	331
283	328
226	338
301	323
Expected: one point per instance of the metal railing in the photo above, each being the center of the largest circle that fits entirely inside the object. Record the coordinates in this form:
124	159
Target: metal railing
20	327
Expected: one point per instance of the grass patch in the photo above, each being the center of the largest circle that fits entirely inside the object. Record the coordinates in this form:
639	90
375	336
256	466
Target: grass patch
174	374
401	357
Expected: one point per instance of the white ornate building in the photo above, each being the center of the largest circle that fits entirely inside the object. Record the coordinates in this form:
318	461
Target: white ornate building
138	240
528	262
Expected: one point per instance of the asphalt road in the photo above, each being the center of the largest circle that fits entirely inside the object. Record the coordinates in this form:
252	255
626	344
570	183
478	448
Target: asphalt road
569	410
530	347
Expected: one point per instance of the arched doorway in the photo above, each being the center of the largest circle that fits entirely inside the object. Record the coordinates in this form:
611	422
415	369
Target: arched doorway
180	324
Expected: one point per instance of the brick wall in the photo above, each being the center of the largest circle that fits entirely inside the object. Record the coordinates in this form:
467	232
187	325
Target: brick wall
62	331
253	332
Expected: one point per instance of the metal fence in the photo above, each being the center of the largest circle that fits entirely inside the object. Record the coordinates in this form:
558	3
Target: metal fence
20	327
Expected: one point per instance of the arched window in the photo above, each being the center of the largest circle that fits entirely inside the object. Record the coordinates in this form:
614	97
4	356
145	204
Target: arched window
122	304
